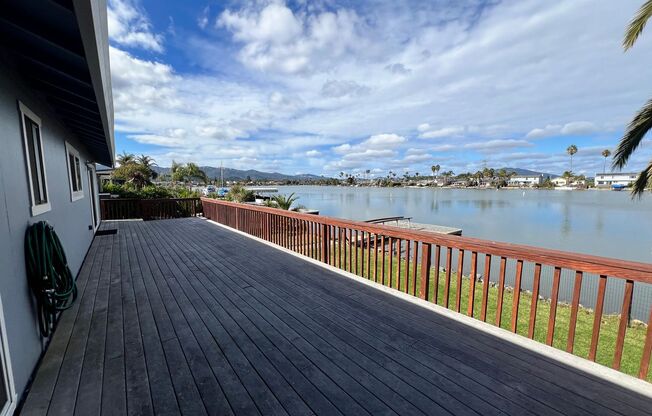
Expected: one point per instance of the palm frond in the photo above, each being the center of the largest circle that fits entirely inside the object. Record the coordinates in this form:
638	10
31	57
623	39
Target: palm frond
637	24
636	130
642	181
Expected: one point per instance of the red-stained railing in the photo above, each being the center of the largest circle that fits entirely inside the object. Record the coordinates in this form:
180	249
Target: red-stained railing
149	209
446	269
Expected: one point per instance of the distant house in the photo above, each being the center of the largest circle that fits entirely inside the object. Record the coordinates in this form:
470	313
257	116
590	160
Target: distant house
56	114
103	176
606	180
525	180
559	181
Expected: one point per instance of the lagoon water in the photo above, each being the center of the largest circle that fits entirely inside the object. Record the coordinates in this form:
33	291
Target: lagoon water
603	223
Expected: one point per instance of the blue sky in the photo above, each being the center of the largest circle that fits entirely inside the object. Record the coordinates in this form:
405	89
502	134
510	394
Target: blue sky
328	86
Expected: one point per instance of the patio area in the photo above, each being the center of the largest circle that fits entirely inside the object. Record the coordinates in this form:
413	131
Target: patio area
182	316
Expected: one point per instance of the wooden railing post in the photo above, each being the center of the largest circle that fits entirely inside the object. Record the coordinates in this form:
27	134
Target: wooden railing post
237	218
425	271
325	243
268	226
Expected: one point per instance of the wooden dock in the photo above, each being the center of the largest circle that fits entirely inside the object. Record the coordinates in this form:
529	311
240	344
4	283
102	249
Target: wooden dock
439	229
407	223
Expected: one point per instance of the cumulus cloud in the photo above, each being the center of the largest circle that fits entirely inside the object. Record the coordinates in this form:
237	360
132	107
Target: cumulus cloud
138	84
497	144
130	27
275	38
202	20
578	128
398	68
341	88
285	78
379	147
442	132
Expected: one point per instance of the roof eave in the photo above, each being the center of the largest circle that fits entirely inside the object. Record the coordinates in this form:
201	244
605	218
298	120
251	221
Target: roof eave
92	20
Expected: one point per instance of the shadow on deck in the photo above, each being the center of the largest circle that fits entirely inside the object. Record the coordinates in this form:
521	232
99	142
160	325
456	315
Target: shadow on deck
182	316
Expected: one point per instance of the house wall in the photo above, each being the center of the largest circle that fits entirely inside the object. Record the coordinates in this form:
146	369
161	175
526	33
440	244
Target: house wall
71	220
606	180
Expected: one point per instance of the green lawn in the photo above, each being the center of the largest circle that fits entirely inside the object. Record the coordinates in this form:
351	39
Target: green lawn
634	339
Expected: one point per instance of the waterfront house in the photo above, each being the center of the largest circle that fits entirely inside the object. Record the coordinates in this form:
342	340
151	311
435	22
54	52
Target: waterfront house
57	122
606	180
525	180
559	181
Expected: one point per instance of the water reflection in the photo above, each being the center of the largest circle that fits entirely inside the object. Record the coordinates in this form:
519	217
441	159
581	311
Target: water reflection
595	222
566	221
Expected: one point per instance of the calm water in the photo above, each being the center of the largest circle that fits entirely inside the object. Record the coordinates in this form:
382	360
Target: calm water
602	223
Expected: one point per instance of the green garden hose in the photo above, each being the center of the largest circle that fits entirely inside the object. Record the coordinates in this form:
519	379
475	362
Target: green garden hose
48	274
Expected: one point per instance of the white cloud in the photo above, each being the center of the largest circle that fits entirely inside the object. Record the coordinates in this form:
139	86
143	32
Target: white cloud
138	84
313	153
202	20
497	144
398	69
319	79
338	88
578	128
275	38
383	141
443	132
129	26
549	130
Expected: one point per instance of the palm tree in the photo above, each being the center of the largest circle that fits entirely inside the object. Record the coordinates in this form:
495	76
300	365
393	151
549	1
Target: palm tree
642	121
605	153
239	193
285	202
435	169
125	158
193	172
571	150
568	176
148	163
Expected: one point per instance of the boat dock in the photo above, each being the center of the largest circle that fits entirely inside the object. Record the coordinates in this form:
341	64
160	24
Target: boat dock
406	222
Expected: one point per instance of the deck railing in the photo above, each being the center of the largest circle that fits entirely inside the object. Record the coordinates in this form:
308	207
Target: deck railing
446	269
149	209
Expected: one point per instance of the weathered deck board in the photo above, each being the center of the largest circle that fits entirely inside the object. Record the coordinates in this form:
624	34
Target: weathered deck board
184	317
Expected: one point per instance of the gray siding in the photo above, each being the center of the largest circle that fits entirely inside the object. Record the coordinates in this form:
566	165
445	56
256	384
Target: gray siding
71	220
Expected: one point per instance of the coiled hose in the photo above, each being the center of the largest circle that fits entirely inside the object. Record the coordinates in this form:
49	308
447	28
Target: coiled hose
48	274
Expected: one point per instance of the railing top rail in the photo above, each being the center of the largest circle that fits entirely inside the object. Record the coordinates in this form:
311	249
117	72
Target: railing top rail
150	199
636	271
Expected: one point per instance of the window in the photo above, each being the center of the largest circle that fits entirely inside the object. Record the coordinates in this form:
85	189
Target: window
74	173
35	161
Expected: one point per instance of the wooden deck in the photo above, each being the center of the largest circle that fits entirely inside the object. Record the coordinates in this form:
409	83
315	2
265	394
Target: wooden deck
184	317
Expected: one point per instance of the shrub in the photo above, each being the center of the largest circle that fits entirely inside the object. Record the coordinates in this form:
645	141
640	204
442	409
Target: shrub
238	193
129	190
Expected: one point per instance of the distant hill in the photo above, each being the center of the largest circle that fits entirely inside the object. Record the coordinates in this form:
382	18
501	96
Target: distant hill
527	172
236	174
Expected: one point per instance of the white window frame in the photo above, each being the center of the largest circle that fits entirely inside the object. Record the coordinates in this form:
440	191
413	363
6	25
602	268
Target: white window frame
7	374
74	195
40	208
